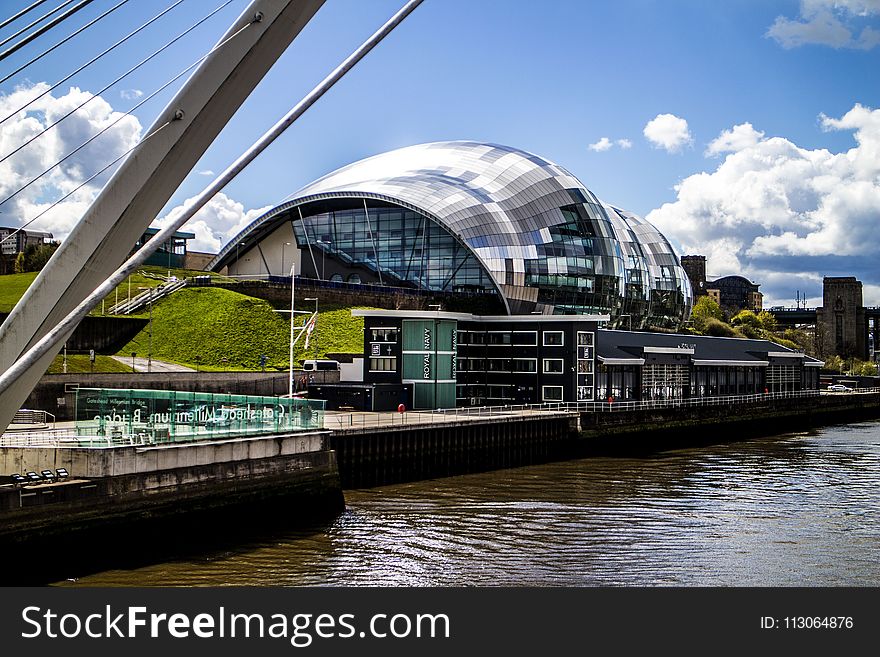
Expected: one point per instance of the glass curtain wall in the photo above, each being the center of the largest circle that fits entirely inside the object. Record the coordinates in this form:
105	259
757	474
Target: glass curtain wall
399	246
580	271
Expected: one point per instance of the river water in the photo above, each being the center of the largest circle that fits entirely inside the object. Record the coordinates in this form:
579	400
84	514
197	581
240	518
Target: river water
799	509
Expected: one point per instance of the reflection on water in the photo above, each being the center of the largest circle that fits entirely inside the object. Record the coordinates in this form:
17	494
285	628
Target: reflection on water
800	509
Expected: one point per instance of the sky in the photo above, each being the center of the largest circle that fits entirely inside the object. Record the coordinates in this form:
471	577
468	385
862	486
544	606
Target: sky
747	131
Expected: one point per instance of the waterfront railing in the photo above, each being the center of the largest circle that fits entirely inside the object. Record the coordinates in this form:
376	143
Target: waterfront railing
335	420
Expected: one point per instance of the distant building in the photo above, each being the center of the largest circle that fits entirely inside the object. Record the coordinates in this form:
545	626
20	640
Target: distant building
19	241
841	323
732	293
172	254
735	293
695	268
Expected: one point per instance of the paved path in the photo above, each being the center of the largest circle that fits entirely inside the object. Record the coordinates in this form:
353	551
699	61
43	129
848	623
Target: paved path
140	365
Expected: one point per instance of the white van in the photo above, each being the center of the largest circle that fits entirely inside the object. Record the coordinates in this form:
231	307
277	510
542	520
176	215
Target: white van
320	365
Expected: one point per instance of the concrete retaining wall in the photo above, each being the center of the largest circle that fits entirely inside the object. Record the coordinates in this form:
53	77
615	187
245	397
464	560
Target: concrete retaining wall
106	335
148	499
120	461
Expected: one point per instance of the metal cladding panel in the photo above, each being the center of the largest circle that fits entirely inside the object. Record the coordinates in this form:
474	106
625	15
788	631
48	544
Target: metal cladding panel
548	243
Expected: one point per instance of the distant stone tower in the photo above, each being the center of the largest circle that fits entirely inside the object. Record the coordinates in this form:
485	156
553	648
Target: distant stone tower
841	323
695	267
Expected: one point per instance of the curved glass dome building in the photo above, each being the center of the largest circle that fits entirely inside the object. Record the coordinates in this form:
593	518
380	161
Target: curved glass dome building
475	219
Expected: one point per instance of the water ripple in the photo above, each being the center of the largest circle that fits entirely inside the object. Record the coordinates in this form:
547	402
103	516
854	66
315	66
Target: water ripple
799	509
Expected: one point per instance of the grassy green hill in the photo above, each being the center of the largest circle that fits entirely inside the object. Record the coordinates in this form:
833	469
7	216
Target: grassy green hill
79	363
13	286
200	327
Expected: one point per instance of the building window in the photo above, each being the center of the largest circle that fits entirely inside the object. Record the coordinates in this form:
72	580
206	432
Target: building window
525	364
553	338
551	393
383	364
500	392
585	339
498	365
379	334
498	337
525	338
553	366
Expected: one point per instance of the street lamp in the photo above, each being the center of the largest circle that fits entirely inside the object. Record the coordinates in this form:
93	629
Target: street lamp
292	319
237	245
283	244
323	251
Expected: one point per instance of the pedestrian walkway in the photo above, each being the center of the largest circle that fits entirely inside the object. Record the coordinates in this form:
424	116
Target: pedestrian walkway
143	365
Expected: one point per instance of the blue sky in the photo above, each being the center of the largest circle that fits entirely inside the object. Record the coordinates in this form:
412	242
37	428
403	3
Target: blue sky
786	197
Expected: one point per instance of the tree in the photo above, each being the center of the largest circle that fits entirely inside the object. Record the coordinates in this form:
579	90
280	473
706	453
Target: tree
20	263
768	321
748	324
717	328
705	309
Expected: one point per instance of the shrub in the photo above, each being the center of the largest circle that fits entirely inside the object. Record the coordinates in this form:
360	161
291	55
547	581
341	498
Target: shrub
719	329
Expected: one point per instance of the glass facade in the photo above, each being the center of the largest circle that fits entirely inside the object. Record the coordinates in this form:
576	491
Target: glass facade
472	217
400	246
148	417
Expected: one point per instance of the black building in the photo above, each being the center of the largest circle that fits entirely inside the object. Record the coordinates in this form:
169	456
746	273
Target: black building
642	366
457	359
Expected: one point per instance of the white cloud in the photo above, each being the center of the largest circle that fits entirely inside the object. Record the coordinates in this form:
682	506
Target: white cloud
214	225
205	172
20	168
737	138
602	145
131	94
605	144
831	23
668	132
772	210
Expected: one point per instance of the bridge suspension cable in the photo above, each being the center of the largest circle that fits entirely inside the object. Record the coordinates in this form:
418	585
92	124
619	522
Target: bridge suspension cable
41	30
134	68
70	36
101	132
23	12
92	61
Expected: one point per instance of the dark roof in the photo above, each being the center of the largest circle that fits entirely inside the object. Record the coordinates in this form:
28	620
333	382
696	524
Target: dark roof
612	344
178	234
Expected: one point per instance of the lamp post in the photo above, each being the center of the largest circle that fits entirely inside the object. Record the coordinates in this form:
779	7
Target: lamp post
283	244
323	251
292	319
237	245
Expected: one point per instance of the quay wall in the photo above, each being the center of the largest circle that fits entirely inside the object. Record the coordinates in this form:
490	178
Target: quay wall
377	456
652	430
382	455
115	494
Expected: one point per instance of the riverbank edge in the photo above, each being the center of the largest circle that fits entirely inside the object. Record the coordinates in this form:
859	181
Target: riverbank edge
376	457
